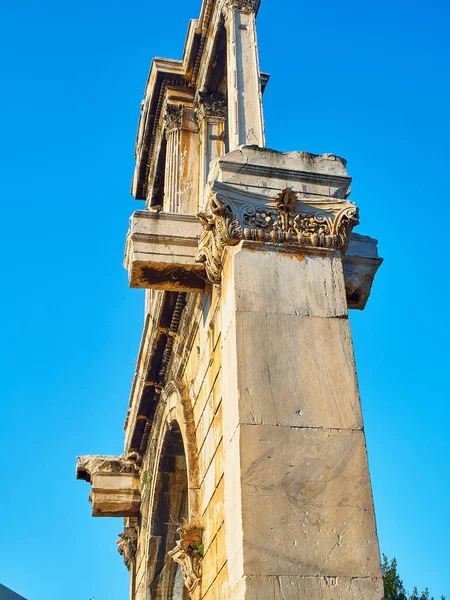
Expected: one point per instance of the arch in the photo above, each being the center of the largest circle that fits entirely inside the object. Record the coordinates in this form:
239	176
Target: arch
173	494
170	511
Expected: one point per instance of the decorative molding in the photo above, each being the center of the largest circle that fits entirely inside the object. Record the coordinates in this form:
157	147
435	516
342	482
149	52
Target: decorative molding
212	105
173	117
127	545
283	220
188	553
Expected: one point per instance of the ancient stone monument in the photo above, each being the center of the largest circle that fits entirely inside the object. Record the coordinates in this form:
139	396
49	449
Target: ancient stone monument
244	473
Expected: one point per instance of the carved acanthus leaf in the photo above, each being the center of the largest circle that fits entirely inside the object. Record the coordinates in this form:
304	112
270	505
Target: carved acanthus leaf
173	117
188	553
281	221
241	5
210	105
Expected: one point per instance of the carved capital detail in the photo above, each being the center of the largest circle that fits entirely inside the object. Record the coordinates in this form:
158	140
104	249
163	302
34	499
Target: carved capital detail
127	545
173	117
188	553
248	6
210	105
284	220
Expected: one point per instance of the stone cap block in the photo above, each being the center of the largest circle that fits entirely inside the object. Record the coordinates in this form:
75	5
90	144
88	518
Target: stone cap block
316	178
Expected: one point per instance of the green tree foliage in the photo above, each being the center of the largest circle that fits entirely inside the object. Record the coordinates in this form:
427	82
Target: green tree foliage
393	585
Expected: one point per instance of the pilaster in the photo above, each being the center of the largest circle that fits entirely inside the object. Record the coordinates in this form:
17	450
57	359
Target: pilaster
297	485
245	112
181	170
211	110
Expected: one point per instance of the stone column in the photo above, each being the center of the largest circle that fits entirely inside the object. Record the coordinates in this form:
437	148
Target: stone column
181	172
211	112
298	500
245	112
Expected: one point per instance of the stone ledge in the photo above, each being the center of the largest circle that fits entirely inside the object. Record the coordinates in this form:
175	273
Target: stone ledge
160	252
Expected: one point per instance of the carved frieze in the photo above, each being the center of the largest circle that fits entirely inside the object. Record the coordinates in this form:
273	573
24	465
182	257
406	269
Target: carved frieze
188	553
283	220
173	117
127	545
212	105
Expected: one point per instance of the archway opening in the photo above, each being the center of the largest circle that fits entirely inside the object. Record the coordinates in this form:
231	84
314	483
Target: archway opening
171	510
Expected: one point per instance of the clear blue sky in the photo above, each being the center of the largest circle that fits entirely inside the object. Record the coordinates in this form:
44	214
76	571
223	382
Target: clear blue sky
367	81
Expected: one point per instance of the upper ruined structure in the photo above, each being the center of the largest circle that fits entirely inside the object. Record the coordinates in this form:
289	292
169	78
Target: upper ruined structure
244	473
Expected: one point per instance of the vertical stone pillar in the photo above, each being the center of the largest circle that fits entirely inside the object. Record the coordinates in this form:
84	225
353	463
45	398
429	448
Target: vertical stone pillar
182	171
211	112
298	500
245	112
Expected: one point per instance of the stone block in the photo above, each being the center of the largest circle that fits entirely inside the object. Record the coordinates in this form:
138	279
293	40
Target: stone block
306	503
214	515
221	548
290	370
272	281
209	566
315	177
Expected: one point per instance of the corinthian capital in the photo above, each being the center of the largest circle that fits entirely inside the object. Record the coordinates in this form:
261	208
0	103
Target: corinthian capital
210	105
248	6
283	220
173	117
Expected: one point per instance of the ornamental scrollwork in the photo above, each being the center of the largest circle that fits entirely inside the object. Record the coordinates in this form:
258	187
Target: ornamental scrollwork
127	545
283	220
188	553
221	229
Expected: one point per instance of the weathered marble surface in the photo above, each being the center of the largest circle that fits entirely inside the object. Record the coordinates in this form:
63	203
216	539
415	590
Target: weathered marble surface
318	179
306	502
296	475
